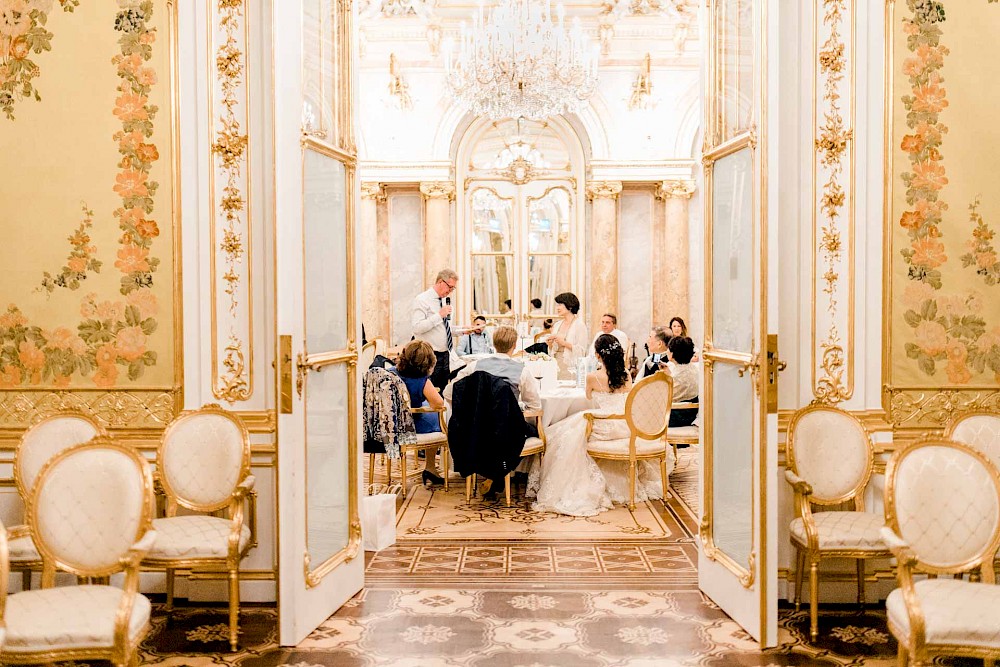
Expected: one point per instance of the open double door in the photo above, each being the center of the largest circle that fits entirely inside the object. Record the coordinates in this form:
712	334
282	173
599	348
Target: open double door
316	304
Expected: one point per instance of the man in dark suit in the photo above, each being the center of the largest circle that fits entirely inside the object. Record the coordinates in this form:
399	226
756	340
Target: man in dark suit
656	346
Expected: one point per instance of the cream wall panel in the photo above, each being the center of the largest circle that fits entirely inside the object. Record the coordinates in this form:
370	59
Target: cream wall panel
635	287
406	260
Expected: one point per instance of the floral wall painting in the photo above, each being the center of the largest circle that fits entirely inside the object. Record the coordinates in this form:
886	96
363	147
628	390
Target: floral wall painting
944	207
89	296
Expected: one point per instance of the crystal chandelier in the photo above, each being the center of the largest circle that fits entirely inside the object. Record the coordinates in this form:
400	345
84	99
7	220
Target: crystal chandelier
518	62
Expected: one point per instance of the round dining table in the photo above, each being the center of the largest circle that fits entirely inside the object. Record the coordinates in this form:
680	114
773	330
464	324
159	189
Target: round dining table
563	401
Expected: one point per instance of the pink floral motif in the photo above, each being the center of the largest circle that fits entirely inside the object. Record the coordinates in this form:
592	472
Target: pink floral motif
81	258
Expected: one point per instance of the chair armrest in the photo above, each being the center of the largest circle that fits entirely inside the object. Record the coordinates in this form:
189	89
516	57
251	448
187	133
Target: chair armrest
130	563
683	406
590	416
245	487
537	415
245	490
906	560
800	485
537	412
139	550
899	547
429	410
16	532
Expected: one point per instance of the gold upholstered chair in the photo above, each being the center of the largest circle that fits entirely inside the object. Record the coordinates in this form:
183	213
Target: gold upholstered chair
942	504
43	440
203	465
979	430
830	460
683	435
647	413
90	512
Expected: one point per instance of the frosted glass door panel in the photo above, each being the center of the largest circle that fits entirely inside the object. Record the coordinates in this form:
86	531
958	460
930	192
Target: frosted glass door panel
325	239
732	462
732	252
327	462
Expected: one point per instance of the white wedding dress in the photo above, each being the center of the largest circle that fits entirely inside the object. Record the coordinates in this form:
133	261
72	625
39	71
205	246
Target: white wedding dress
569	482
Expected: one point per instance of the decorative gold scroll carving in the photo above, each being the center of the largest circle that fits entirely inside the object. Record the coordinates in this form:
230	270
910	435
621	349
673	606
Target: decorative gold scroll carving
834	152
604	189
131	409
372	190
232	373
677	189
438	190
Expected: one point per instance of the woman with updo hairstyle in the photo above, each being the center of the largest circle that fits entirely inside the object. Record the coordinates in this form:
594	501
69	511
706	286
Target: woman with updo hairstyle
572	483
570	339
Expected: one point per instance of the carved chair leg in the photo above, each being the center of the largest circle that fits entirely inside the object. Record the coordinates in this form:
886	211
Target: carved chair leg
26	580
444	465
468	489
234	608
371	469
506	488
665	479
171	575
901	657
814	599
631	485
800	566
402	469
861	583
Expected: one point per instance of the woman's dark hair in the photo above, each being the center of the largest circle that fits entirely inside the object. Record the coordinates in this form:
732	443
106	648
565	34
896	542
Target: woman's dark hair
681	349
569	301
684	328
547	323
536	303
416	360
612	357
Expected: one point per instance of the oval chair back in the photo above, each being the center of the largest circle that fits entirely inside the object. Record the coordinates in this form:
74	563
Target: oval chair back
978	430
47	438
647	408
367	356
943	499
203	456
831	450
90	505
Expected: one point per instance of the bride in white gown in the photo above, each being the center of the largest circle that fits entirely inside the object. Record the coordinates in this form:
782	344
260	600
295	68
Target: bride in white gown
570	482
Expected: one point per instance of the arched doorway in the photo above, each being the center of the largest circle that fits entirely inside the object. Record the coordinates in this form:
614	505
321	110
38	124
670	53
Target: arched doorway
521	219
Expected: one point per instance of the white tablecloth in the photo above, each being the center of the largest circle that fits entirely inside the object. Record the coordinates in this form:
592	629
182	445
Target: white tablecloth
563	402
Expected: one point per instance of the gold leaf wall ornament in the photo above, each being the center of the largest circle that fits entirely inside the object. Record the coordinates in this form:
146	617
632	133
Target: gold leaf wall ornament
833	162
232	316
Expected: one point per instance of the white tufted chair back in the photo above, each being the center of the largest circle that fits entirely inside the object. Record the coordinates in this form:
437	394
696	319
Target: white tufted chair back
46	439
943	499
90	505
647	407
830	449
979	430
204	454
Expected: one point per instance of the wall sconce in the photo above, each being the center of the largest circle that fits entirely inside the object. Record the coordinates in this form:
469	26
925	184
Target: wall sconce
642	89
399	90
434	38
605	31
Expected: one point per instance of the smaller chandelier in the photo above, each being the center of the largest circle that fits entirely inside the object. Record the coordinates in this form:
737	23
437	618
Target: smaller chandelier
520	63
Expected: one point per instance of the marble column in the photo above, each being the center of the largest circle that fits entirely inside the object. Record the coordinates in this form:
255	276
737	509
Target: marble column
671	295
437	196
374	265
603	260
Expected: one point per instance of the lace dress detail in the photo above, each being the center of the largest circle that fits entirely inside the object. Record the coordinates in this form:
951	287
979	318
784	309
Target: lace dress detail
569	482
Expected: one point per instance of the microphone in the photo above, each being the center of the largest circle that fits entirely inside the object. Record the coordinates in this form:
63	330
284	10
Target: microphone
447	302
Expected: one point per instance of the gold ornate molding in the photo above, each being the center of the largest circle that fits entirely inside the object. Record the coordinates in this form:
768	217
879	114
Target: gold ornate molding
373	190
603	189
675	189
832	324
229	108
438	190
933	408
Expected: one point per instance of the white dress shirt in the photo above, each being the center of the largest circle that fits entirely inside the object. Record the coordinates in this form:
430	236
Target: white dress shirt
426	322
617	333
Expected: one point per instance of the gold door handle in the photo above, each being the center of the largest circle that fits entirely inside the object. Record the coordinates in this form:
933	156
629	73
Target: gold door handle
301	368
284	369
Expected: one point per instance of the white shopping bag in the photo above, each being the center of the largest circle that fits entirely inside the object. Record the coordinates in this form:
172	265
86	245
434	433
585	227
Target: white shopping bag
378	516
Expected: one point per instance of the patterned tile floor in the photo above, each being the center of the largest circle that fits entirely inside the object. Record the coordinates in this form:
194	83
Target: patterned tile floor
531	603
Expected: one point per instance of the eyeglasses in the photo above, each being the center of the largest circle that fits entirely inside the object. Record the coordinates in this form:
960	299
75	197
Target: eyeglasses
451	286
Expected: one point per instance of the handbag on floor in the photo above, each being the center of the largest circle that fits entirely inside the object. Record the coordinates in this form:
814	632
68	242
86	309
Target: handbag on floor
378	516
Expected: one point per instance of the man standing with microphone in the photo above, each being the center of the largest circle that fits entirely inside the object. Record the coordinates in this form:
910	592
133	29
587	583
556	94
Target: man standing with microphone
431	322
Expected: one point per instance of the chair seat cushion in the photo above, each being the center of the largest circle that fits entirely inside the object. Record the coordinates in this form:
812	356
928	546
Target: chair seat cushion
22	550
195	536
955	612
682	433
77	617
620	447
532	446
430	438
843	530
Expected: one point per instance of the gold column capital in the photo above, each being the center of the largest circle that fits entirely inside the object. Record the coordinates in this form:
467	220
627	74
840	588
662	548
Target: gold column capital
438	190
373	190
604	189
675	189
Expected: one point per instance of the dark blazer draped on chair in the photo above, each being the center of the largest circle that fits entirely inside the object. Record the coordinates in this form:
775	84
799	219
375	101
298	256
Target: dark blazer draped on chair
486	432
